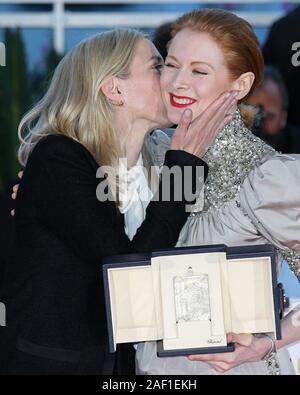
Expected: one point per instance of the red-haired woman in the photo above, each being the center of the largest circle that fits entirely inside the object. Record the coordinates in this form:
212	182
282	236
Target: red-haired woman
252	194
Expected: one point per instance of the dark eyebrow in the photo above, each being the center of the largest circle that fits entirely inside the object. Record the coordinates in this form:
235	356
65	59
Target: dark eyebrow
193	63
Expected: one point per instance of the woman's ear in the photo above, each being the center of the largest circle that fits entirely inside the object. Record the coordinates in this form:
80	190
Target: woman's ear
111	90
243	84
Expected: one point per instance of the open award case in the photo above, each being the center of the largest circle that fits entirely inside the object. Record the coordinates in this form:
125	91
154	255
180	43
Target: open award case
189	298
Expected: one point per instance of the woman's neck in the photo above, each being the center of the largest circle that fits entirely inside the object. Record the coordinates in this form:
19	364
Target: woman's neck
133	148
132	136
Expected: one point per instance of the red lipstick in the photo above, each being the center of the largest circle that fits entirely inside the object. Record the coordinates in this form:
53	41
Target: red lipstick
181	101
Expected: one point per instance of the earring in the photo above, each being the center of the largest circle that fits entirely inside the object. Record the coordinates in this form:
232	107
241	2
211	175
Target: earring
116	103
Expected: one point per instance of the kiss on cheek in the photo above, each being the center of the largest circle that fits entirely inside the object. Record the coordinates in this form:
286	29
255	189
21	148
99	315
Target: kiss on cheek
194	74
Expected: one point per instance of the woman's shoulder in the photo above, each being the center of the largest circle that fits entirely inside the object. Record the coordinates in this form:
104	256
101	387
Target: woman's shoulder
270	196
57	141
271	192
58	146
276	177
281	169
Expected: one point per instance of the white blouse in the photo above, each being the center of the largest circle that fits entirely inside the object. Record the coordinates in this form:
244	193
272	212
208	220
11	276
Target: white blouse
134	195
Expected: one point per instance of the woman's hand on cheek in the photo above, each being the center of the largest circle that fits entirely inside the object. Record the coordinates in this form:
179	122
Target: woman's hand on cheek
247	349
198	135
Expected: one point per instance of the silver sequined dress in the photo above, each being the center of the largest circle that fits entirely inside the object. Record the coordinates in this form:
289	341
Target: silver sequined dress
251	196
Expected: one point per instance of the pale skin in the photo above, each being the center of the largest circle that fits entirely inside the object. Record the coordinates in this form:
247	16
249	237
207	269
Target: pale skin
251	349
143	110
195	71
198	126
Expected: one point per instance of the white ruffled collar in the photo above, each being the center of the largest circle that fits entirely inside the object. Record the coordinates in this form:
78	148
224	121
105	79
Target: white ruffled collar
134	196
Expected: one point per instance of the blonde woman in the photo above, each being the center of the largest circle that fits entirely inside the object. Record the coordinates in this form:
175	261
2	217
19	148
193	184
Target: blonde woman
103	100
252	193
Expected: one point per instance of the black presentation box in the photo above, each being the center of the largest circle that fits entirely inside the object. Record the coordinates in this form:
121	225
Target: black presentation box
189	298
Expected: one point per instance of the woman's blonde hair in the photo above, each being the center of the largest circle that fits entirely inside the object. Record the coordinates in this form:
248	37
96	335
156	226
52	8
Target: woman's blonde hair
75	105
237	41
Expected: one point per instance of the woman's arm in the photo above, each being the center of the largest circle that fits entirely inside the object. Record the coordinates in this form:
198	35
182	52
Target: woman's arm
61	178
256	348
290	328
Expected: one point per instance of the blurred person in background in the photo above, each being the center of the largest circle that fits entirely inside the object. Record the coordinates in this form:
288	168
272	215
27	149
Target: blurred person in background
161	37
278	52
271	98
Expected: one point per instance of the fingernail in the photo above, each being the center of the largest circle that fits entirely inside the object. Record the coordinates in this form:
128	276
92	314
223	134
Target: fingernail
187	113
234	93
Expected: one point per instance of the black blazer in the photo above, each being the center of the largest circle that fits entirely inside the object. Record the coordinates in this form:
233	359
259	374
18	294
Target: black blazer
53	288
6	227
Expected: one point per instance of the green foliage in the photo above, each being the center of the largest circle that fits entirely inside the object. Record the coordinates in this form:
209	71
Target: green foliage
19	89
13	99
40	78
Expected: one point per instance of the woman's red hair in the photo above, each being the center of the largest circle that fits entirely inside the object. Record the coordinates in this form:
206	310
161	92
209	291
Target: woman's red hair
236	39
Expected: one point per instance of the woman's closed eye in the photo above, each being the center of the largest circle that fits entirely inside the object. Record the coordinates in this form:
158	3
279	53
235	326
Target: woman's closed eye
158	66
199	72
167	64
